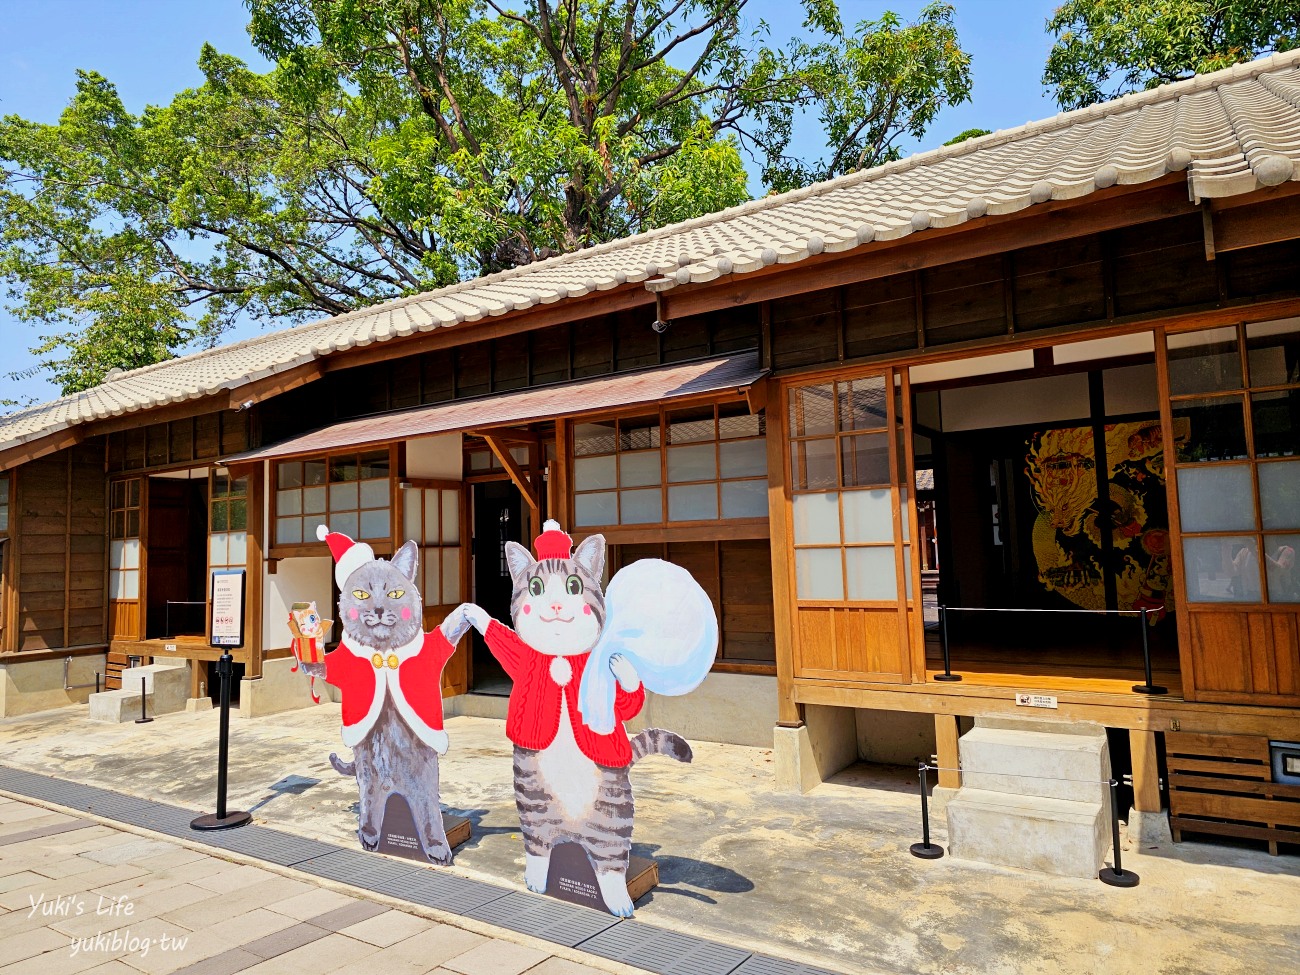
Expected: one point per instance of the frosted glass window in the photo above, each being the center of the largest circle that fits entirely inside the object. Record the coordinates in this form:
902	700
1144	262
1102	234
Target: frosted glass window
1280	568
695	463
116	552
411	511
1222	569
124	554
818	573
432	588
288	531
343	496
590	473
374	494
1212	499
907	569
345	522
313	501
812	465
288	502
639	469
451	517
1279	494
309	526
694	502
450	575
871	573
816	519
374	524
430	513
217	549
744	499
744	458
906	519
641	507
595	509
238	553
868	516
124	584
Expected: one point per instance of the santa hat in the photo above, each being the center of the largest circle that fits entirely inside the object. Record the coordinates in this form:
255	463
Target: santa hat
348	555
553	542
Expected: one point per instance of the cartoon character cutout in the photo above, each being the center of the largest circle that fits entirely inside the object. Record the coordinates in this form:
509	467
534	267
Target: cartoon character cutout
390	674
571	767
310	634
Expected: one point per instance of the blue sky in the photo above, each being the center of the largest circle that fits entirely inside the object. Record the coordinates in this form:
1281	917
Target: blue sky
149	49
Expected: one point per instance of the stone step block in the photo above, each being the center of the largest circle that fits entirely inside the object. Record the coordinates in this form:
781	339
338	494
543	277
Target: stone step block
117	707
1049	765
1055	836
166	684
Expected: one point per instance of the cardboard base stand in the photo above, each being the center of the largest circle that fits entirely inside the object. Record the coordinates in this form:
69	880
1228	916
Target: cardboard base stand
399	836
572	878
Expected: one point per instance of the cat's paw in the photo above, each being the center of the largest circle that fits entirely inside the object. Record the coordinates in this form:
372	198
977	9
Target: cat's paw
475	616
613	889
626	674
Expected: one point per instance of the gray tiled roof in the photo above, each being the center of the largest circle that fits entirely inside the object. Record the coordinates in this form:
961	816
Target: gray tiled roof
1232	132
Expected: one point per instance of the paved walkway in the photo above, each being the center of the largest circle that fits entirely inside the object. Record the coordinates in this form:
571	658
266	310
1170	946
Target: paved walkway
823	879
80	896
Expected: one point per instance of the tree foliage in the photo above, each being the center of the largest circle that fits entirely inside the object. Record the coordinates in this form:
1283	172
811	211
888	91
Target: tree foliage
398	145
1106	48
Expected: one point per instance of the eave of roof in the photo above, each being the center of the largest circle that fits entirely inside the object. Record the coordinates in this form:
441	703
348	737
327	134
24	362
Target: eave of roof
1231	131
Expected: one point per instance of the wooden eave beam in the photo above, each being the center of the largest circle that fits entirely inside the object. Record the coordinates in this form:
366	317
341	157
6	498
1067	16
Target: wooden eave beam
514	435
1040	224
270	386
756	396
25	453
1269	220
517	475
497	326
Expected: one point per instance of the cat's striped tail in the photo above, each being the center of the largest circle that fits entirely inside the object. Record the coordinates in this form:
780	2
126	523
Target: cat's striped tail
656	741
342	767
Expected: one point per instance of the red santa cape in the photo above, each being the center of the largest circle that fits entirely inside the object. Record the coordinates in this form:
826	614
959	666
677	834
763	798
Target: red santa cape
415	685
410	674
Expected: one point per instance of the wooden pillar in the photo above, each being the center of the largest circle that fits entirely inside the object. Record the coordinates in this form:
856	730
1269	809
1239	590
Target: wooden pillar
557	493
945	737
255	564
789	714
1146	770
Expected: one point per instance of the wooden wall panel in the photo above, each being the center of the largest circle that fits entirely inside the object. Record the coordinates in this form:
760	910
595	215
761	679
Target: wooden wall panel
1241	656
849	643
60	528
124	620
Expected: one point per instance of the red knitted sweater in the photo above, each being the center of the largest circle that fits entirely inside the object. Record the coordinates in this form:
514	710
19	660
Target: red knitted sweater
534	714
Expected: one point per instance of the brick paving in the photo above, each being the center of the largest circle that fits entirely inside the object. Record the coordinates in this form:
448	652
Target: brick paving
79	896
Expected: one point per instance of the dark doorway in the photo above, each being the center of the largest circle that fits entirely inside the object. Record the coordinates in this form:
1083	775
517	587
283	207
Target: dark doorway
498	518
177	543
213	682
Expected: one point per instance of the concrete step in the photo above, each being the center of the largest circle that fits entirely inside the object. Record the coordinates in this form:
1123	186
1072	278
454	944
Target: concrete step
1055	836
1036	763
118	707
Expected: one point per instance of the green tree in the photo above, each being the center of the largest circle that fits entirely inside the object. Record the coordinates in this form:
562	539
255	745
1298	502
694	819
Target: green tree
398	145
967	134
1106	48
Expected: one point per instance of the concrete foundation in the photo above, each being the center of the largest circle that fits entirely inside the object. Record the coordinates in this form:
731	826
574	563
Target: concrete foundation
280	688
806	756
895	737
1033	795
197	704
118	707
1149	829
29	686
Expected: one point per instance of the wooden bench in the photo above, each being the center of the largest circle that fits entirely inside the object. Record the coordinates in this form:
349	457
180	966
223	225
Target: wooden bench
1223	784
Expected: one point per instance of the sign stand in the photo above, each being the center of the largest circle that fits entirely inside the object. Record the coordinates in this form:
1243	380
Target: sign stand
227	627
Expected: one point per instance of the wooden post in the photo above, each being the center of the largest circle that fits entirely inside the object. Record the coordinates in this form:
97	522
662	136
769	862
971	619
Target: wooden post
945	737
789	714
1146	770
255	566
557	492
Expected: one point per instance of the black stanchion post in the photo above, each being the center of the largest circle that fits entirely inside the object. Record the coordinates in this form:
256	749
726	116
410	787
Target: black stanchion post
222	819
925	849
1116	876
1150	687
947	674
144	703
96	682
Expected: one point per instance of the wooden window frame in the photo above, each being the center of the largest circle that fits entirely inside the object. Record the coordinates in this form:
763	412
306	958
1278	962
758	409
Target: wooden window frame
382	546
635	533
1242	395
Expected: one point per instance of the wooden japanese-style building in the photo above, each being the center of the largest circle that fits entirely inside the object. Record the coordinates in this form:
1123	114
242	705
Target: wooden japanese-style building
1074	345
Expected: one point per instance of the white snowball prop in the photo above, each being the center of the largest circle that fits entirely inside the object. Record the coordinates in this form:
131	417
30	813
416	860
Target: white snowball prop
660	619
